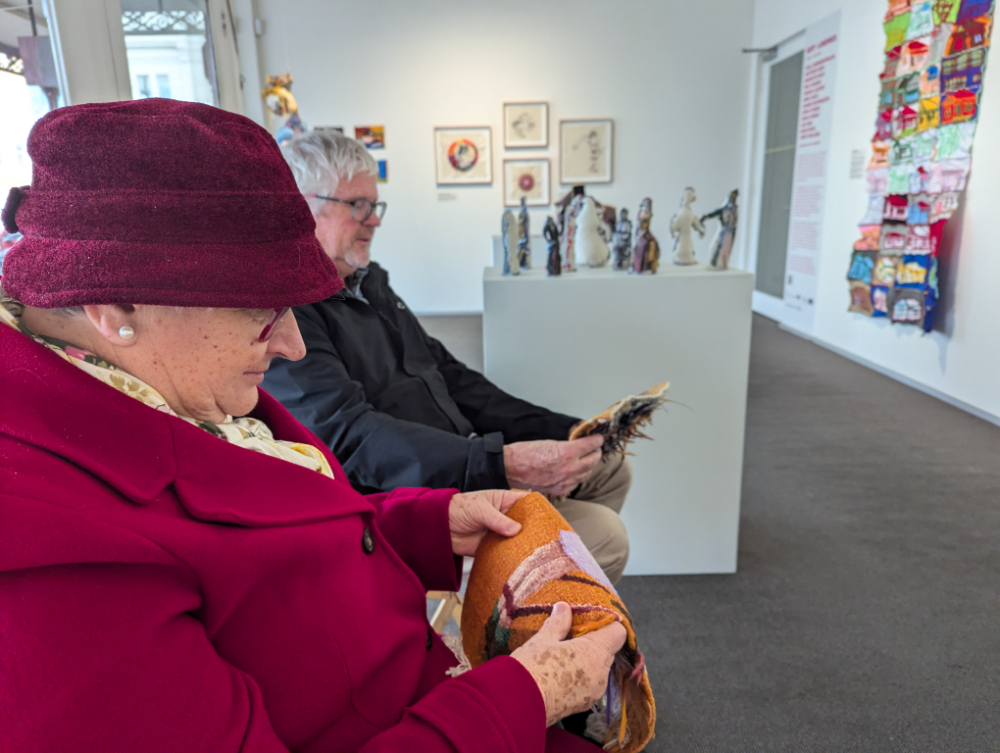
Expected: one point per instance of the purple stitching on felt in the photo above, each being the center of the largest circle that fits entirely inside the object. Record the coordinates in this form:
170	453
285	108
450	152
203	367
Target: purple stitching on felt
574	548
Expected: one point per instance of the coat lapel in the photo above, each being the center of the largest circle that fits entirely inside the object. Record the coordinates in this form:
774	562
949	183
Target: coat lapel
49	403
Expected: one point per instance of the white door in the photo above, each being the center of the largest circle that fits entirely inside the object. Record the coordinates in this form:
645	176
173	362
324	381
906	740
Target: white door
777	109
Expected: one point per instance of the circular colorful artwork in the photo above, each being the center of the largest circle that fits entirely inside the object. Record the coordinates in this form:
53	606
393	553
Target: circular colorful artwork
463	155
526	182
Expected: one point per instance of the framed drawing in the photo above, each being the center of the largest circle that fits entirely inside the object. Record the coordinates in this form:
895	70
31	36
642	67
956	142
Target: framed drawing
528	178
463	155
585	151
525	124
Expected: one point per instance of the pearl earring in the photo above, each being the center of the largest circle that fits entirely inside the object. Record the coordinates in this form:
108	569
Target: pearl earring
126	332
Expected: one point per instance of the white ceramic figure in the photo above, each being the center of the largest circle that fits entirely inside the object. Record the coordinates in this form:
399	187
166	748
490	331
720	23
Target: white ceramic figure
510	231
680	228
569	233
589	247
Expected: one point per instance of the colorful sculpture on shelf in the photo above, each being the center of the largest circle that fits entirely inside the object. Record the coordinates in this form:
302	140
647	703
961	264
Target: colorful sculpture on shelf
621	244
589	246
524	236
646	252
722	245
609	219
931	83
510	234
681	225
277	94
553	264
569	231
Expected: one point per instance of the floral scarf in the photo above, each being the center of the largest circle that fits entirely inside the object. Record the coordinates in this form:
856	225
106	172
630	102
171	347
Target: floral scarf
248	433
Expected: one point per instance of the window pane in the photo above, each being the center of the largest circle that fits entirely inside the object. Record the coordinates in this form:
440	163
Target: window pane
163	84
167	41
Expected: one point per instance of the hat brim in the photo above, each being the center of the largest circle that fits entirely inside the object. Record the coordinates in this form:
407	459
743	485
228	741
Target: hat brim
47	273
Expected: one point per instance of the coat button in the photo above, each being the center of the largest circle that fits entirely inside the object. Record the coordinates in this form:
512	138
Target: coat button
367	542
430	638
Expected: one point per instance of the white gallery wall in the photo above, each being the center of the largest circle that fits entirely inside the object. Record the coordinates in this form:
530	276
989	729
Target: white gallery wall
961	362
668	72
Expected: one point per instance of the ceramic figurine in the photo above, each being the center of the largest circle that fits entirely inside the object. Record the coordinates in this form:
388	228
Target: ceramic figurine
680	228
524	240
509	232
553	264
646	252
277	95
589	247
621	244
569	231
609	220
722	246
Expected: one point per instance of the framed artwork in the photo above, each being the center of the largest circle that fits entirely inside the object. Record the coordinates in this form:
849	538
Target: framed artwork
373	137
585	149
525	124
528	178
463	155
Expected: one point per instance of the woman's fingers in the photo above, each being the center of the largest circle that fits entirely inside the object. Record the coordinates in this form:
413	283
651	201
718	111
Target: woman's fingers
608	640
504	499
496	521
558	625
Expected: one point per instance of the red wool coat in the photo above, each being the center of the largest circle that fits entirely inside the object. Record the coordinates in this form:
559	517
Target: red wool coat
163	590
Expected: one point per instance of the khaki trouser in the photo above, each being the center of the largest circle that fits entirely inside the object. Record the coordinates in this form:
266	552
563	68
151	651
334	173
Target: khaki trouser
593	510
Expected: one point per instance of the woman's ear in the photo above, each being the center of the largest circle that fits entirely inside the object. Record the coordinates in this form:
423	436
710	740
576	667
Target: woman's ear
117	324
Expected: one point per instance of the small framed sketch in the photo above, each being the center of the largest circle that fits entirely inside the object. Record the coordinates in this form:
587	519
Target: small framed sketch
463	155
525	124
528	178
585	149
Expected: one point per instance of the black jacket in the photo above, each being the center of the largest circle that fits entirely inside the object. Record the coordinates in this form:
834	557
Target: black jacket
393	404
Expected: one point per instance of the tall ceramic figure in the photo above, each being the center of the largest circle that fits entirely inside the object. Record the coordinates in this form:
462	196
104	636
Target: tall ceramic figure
589	247
680	228
722	245
621	244
509	233
553	264
524	240
569	232
646	253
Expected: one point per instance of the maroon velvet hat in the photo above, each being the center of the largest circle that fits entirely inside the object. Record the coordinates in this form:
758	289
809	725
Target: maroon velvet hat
161	202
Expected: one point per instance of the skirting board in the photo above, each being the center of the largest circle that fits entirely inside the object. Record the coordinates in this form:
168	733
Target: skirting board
961	405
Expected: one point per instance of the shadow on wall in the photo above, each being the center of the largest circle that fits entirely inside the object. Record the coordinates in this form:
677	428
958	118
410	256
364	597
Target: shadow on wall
951	242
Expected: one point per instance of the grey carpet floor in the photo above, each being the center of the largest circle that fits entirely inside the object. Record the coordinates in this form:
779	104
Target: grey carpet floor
865	613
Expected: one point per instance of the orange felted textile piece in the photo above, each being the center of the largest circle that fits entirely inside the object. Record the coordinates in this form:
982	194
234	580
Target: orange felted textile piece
513	586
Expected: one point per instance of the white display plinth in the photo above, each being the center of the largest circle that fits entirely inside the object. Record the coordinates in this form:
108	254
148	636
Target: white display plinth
578	342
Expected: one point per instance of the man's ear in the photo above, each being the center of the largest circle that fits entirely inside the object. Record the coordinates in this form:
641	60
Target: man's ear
117	324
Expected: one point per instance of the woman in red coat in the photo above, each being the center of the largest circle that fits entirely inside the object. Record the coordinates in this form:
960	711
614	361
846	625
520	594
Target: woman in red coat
173	578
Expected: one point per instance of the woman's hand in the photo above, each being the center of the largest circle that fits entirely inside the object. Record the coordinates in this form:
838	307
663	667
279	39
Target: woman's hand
472	514
573	674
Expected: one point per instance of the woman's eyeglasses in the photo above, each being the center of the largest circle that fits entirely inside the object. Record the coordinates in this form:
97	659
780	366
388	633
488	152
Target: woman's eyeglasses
272	323
361	209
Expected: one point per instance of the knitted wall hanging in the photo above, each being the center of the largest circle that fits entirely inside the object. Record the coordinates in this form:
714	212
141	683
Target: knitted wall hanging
935	56
513	586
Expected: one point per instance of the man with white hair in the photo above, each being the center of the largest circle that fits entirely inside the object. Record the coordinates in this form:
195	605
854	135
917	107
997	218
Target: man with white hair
394	406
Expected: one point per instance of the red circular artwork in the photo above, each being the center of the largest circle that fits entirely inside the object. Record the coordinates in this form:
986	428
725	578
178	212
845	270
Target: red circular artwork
526	182
463	155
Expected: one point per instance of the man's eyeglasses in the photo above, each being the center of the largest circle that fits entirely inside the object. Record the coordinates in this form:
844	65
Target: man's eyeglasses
361	209
272	323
